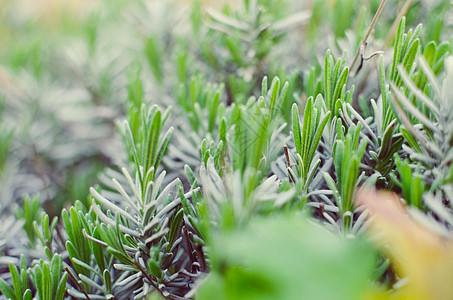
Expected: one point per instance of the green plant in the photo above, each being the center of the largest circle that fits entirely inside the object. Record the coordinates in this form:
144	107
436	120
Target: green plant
306	140
20	289
242	136
30	213
348	154
47	279
249	36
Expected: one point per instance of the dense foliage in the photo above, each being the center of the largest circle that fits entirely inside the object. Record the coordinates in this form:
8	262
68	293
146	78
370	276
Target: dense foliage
167	149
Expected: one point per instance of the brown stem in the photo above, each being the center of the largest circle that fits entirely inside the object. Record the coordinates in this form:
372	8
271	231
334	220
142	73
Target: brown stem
392	31
149	278
288	163
202	258
370	29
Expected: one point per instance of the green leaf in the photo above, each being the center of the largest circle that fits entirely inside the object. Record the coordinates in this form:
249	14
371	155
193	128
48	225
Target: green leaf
328	61
98	250
189	174
387	140
61	290
46	282
107	280
233	44
27	295
222	130
307	128
135	87
275	86
23	273
310	258
38	281
317	136
330	182
120	256
154	268
339	157
382	80
38	234
296	129
340	84
16	281
175	226
410	139
216	107
409	59
397	48
154	53
7	290
89	268
90	282
152	142
185	203
130	144
56	266
73	253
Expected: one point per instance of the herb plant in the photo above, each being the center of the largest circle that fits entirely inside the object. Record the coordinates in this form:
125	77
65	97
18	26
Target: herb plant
261	149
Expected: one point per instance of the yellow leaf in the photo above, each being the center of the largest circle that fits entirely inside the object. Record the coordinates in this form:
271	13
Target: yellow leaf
419	254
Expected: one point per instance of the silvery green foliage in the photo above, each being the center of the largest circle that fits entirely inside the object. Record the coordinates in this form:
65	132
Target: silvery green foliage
62	101
136	228
432	142
16	231
152	244
88	264
328	151
234	172
57	127
39	271
247	31
232	199
46	279
379	131
201	114
201	103
64	139
427	128
147	229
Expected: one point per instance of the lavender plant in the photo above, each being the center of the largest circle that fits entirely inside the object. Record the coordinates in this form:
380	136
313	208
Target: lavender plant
146	153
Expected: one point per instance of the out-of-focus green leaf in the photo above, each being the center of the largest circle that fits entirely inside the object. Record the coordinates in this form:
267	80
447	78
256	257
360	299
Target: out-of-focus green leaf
287	258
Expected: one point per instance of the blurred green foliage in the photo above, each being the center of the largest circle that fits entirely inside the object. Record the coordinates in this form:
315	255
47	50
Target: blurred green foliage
286	257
